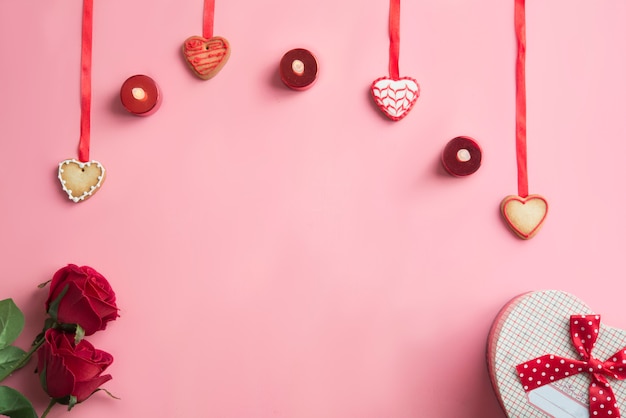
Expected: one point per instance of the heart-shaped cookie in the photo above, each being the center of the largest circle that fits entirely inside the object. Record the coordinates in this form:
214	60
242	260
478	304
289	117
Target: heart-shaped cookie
537	324
206	57
525	215
80	180
395	97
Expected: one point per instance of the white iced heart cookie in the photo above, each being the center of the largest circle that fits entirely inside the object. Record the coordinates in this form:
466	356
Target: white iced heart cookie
395	97
525	215
80	180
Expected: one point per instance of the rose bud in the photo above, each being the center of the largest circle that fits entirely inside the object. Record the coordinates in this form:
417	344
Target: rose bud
81	296
70	372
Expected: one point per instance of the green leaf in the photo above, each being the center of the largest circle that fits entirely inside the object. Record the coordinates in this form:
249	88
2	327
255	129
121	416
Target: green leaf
10	359
105	391
11	322
80	334
43	378
44	284
72	403
53	309
14	405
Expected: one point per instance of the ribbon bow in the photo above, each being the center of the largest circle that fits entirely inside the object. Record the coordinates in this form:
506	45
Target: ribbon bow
550	368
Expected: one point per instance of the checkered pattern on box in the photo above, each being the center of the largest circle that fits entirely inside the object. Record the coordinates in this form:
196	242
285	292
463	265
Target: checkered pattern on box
535	324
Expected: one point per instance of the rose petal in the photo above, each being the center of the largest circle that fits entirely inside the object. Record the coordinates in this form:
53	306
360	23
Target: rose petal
84	389
76	309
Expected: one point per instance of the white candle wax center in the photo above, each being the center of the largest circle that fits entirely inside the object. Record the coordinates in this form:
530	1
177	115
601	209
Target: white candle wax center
138	93
298	67
463	155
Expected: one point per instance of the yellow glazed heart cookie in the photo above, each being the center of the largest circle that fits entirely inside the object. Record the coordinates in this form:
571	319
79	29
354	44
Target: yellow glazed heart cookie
80	180
525	215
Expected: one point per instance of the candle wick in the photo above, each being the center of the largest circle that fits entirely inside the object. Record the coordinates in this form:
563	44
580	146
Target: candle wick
298	67
463	155
138	93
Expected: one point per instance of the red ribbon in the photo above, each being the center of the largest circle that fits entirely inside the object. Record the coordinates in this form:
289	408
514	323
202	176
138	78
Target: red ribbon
207	18
85	82
394	39
520	100
549	368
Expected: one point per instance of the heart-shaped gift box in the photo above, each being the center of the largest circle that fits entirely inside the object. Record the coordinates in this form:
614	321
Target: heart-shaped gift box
537	324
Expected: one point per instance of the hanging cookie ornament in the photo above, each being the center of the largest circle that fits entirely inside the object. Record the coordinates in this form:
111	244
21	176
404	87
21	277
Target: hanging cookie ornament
395	95
206	54
82	178
524	213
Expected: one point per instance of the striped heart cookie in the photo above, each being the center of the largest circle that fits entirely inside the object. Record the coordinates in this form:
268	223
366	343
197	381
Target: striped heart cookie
206	57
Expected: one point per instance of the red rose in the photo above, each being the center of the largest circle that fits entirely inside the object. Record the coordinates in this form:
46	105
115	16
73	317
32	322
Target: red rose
82	296
70	370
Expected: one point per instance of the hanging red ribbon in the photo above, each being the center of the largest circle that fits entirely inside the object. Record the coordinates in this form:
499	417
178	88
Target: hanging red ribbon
520	104
393	95
584	330
85	82
208	18
394	39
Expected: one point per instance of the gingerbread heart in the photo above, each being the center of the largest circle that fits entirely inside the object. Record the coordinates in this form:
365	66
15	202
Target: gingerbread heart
80	180
537	324
206	57
525	215
395	97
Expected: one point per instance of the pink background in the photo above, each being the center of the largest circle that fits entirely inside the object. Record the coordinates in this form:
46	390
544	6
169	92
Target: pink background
295	254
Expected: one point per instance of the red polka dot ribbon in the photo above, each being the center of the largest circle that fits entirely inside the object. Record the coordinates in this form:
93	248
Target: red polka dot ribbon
549	368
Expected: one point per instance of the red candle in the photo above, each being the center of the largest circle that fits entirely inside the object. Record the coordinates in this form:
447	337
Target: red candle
461	156
140	95
298	69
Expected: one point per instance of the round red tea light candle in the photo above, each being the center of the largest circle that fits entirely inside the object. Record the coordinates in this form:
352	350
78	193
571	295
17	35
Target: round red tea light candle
140	95
462	156
298	69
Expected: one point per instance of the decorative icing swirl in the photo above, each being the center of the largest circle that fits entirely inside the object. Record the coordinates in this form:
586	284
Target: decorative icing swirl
194	44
